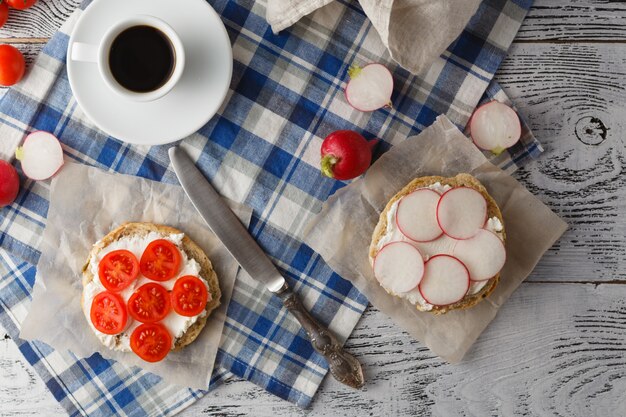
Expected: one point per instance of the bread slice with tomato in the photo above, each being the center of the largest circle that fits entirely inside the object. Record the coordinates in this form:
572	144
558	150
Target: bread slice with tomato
101	275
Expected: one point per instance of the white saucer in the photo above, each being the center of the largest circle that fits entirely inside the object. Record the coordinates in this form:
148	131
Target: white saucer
191	103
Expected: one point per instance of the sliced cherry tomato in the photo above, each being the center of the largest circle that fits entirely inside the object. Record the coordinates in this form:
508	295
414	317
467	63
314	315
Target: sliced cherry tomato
118	269
160	261
20	4
4	13
151	342
149	303
108	313
12	65
189	296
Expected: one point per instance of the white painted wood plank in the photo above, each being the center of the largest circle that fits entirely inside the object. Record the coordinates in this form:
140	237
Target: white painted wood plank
563	20
40	21
573	97
571	20
22	392
554	349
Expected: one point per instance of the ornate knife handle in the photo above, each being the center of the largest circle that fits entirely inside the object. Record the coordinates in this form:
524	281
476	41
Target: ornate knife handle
343	366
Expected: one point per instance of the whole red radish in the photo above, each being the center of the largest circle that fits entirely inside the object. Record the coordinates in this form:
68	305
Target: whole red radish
9	183
346	154
4	13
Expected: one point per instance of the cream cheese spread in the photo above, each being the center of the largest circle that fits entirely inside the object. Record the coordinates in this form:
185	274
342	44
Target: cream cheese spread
442	245
176	324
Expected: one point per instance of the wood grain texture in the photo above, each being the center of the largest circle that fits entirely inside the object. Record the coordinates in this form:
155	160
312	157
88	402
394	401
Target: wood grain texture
40	21
22	392
548	20
573	97
574	20
535	360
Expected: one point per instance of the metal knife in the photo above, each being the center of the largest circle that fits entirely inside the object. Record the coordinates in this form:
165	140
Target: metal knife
227	227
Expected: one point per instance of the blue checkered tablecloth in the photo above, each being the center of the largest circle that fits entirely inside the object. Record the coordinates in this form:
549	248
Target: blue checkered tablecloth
261	149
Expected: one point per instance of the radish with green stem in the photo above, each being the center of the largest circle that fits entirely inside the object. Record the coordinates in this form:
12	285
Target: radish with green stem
370	87
346	154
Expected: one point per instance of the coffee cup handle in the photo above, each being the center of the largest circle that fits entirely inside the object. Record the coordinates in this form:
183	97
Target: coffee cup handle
84	52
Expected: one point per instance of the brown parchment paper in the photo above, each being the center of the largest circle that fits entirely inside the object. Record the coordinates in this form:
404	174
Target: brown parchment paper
85	204
342	232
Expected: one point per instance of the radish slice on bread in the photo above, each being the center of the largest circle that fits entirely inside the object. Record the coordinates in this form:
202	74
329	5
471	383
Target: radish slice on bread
398	267
41	155
446	280
461	212
416	216
495	127
484	255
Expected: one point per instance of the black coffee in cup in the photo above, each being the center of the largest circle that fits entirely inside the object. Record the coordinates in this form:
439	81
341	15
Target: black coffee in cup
142	59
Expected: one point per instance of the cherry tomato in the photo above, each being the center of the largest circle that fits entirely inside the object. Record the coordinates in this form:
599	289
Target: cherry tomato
4	13
108	313
9	183
149	303
118	269
20	4
160	261
189	296
151	342
12	65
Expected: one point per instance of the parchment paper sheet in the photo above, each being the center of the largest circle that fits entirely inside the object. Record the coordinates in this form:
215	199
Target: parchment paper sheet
85	204
342	232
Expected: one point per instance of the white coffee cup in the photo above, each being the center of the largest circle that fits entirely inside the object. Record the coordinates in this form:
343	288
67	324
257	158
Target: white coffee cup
99	54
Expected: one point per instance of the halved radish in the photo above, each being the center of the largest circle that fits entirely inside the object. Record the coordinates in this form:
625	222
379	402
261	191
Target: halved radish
416	216
398	267
446	280
484	255
495	127
369	87
41	155
461	212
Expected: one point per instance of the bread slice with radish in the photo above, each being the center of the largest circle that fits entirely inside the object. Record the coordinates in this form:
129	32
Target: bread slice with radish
399	267
455	274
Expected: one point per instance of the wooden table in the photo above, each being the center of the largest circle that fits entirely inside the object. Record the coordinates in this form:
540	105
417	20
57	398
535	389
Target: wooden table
558	347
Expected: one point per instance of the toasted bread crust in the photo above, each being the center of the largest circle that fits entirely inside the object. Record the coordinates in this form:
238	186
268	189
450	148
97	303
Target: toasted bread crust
192	250
461	180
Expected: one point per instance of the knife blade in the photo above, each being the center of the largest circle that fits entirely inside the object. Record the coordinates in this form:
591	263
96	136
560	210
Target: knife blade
227	227
223	222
